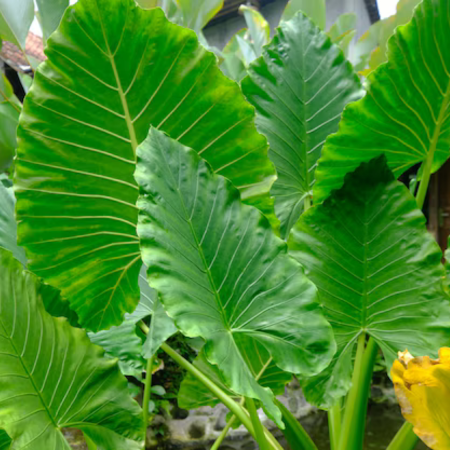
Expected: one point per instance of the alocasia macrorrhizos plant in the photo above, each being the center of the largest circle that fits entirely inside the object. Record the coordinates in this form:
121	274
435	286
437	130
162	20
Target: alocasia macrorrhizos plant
299	88
216	267
221	272
112	70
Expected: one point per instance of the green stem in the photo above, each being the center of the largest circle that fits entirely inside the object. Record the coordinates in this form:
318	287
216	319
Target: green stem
423	186
307	202
334	424
405	439
147	390
353	425
257	425
224	433
90	443
219	393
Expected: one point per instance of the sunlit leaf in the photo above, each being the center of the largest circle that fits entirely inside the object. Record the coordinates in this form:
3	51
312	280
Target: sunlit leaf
112	70
221	272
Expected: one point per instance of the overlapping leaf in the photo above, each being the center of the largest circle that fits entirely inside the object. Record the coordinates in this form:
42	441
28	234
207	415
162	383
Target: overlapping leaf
404	114
52	377
112	70
299	88
378	271
15	20
221	272
193	394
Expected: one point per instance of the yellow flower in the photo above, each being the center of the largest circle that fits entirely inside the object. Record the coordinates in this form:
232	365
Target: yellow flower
422	387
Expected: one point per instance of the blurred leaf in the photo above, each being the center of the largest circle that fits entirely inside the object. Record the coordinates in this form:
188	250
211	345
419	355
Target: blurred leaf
197	13
343	31
50	13
258	28
158	390
232	64
5	440
314	9
15	20
365	45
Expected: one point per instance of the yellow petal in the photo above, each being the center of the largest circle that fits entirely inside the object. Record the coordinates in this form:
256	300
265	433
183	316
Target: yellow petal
422	387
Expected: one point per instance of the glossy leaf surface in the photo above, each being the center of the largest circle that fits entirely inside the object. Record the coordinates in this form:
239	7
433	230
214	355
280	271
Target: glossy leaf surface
404	114
378	270
221	272
112	70
299	88
52	377
193	394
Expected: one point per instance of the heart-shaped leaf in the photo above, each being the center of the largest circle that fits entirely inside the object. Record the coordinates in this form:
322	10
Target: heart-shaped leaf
221	272
112	70
404	114
52	377
378	271
299	88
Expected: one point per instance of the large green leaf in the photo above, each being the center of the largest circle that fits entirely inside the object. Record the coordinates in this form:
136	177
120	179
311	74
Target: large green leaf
378	271
52	377
299	88
193	394
112	70
15	20
221	272
404	114
50	13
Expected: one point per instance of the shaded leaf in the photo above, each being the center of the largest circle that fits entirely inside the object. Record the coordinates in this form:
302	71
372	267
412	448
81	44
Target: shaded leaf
52	377
258	28
404	114
196	14
15	20
193	394
112	70
50	13
297	116
220	271
5	440
378	270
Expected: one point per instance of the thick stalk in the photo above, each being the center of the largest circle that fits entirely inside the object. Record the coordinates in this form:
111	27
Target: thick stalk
257	425
147	390
423	186
353	425
405	439
224	433
334	424
307	202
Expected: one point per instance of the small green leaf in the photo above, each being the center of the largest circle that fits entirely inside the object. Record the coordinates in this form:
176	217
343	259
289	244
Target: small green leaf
404	114
158	390
299	88
258	28
220	271
378	271
52	377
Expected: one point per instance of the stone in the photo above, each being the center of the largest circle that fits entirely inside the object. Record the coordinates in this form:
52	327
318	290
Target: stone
197	429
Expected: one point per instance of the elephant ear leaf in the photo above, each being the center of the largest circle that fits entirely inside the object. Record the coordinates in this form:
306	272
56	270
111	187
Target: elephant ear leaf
299	88
52	377
112	70
194	394
378	271
404	114
220	271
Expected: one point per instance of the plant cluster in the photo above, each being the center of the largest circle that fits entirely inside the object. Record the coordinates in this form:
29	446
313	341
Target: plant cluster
152	195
